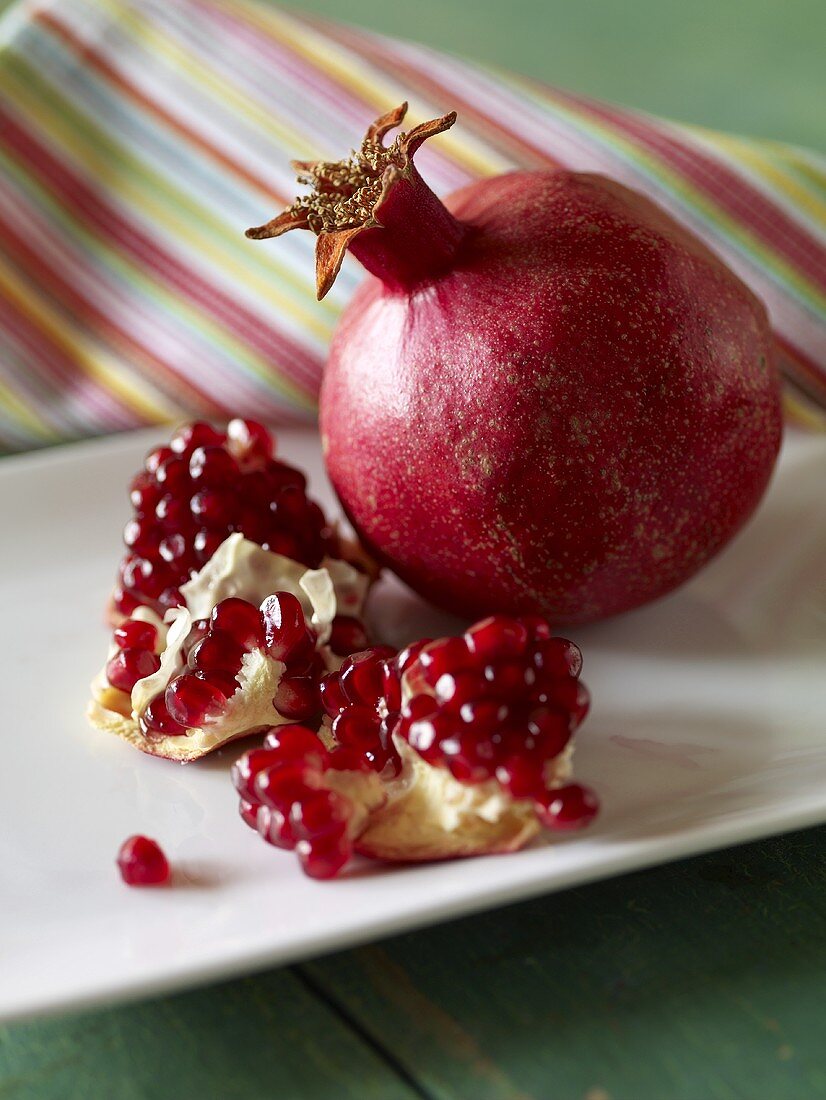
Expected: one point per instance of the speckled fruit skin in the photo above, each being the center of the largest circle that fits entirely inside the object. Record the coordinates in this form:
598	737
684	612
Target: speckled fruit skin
572	419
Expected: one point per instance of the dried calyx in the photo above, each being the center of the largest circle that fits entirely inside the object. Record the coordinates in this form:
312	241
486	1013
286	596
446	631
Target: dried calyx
376	189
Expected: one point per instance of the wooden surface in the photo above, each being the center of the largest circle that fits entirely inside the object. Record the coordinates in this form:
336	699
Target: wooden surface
703	980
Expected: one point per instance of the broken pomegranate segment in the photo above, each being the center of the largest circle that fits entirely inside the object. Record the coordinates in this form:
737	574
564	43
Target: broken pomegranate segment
142	863
244	652
456	747
201	488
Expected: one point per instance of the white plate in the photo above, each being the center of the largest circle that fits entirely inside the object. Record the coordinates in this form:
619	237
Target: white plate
708	728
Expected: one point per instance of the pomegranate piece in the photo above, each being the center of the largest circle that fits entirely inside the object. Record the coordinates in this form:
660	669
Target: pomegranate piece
194	493
619	415
449	748
142	863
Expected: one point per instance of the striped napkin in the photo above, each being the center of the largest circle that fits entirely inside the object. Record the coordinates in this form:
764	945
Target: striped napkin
139	138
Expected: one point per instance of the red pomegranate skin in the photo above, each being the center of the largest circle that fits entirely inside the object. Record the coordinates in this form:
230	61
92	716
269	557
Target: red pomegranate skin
572	418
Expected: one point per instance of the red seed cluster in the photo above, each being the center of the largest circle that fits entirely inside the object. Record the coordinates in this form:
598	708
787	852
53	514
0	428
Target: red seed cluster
283	796
200	489
364	701
499	702
142	863
136	657
214	652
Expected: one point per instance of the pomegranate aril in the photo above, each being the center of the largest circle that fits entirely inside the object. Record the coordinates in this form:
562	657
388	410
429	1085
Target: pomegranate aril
294	742
196	434
175	550
283	543
170	597
216	652
248	766
173	475
156	458
156	721
362	674
446	655
224	682
144	493
142	863
522	777
249	813
552	729
557	658
274	826
142	536
333	699
571	807
406	657
484	715
281	785
130	665
347	636
135	634
248	438
497	636
240	621
358	727
285	628
325	857
213	467
206	543
123	602
214	509
172	513
319	813
508	680
297	698
192	701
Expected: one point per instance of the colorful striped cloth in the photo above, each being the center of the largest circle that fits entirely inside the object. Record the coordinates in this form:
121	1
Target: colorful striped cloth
139	138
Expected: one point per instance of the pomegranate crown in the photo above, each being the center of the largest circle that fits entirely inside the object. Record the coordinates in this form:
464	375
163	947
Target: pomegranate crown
348	195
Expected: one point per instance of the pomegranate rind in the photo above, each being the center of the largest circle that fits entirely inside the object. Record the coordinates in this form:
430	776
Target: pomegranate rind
428	815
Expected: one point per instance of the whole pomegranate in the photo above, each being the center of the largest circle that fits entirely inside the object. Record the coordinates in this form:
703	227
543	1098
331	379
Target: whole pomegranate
548	396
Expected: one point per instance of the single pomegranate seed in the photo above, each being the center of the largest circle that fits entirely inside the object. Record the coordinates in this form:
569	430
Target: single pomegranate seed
213	467
135	634
217	652
558	658
191	701
280	786
247	767
325	857
206	543
294	742
285	628
196	434
172	513
142	536
173	475
142	863
249	813
319	813
130	665
156	721
144	493
362	675
347	636
124	603
240	621
155	459
214	509
283	543
176	550
333	699
223	682
297	698
571	807
496	636
248	437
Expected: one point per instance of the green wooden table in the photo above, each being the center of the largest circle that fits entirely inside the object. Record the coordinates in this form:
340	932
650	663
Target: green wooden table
700	980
